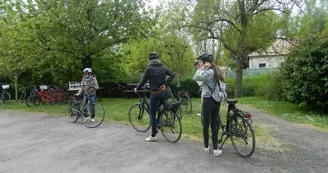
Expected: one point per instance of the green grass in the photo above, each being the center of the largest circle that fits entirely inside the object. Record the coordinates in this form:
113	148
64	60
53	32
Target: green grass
289	111
117	111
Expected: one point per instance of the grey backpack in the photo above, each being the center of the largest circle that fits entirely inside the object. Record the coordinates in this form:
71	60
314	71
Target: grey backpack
219	94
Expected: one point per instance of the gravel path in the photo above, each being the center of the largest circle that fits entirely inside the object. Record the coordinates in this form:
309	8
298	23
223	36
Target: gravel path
42	143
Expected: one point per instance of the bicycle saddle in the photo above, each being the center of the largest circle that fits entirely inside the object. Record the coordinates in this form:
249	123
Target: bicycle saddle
232	101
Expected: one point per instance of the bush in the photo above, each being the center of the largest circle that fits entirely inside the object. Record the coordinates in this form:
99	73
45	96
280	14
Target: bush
305	72
267	86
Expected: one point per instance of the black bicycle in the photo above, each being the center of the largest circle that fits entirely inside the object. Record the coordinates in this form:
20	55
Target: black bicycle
23	97
91	109
239	128
120	91
168	119
5	97
183	97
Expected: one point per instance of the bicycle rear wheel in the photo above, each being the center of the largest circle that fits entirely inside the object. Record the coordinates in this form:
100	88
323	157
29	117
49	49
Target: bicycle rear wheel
242	136
186	104
170	125
139	118
95	113
73	111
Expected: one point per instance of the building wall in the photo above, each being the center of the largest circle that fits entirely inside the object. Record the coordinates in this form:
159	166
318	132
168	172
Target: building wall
265	61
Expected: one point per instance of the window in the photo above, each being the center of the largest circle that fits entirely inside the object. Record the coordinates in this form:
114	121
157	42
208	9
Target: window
262	65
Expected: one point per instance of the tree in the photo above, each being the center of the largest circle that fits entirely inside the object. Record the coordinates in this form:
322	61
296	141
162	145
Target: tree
12	61
305	71
241	26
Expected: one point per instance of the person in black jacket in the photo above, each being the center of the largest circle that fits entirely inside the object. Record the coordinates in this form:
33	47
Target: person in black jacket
156	74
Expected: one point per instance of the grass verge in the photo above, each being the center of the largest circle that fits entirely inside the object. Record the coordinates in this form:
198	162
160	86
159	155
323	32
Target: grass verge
289	111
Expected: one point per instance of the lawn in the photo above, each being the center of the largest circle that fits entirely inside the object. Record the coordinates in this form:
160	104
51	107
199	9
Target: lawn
116	110
289	111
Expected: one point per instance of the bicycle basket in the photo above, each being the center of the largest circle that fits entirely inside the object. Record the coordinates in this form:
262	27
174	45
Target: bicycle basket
173	106
5	87
43	87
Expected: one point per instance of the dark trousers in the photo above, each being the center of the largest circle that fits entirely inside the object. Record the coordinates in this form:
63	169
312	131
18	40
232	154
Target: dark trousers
155	100
210	111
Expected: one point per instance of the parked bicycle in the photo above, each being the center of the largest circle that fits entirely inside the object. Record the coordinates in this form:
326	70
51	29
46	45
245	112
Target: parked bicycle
183	97
23	97
5	97
37	97
91	109
120	91
238	128
168	119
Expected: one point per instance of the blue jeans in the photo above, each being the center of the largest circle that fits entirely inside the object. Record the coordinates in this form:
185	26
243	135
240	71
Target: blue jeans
155	100
85	100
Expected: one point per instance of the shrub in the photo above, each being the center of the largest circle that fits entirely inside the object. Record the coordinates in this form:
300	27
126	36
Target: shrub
305	72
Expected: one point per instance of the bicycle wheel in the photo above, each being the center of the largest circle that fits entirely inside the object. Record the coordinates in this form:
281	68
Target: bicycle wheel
37	100
242	136
6	98
116	93
73	111
139	118
170	125
95	113
31	101
186	104
22	97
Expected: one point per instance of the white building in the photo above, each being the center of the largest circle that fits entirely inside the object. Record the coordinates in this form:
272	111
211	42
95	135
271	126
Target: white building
271	58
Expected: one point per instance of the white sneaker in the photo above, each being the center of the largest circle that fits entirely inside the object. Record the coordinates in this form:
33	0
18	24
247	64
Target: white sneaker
199	115
207	150
151	139
93	120
86	119
217	152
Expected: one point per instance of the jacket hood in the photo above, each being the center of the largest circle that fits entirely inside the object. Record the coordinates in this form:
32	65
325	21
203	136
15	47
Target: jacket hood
155	62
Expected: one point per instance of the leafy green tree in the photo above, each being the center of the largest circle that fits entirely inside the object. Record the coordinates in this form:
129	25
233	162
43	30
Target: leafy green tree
305	72
241	26
65	36
12	48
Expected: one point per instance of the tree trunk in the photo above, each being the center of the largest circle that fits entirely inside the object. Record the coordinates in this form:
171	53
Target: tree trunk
87	62
239	77
16	86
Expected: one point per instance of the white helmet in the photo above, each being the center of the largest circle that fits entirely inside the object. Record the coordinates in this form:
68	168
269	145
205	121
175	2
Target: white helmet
87	70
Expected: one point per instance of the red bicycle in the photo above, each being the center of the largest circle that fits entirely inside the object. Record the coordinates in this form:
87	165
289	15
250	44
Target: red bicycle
38	97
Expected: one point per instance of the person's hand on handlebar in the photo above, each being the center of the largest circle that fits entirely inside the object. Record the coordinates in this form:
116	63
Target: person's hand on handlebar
135	90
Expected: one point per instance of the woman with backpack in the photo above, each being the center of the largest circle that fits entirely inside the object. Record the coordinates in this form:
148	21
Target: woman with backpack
209	75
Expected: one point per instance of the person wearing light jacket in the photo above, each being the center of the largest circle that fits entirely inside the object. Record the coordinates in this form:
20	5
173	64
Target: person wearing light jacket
88	88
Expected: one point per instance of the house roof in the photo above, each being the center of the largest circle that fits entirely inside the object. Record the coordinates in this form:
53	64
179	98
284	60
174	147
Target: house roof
279	47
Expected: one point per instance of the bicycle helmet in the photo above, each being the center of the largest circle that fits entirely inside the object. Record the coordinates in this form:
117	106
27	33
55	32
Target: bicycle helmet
196	63
153	55
87	70
205	57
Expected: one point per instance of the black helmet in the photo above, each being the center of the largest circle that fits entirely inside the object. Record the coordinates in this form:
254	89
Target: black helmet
196	62
205	57
153	55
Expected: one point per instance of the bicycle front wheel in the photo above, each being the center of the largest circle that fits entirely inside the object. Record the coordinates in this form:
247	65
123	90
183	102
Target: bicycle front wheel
186	104
6	98
139	118
242	136
22	97
170	125
94	115
73	111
